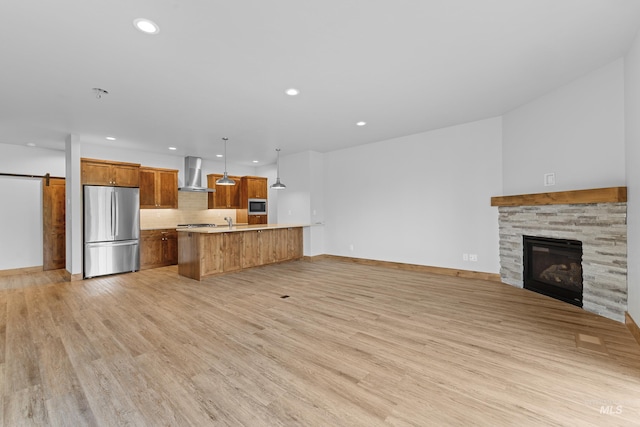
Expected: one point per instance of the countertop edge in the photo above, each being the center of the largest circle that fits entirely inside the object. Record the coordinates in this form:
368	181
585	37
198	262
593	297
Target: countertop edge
226	229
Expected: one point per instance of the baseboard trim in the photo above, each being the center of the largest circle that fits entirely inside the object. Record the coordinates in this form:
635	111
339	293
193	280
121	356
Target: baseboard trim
24	270
72	277
632	326
467	274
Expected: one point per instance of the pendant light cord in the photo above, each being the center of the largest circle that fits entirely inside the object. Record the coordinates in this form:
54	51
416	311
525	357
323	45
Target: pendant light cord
225	156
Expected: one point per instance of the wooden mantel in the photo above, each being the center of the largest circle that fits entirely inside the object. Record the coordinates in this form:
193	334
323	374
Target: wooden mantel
596	195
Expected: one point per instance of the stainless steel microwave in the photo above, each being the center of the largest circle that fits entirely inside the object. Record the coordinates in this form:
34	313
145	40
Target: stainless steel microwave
257	207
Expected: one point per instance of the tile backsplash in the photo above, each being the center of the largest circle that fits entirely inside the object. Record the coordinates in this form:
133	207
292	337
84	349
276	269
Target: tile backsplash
170	218
192	201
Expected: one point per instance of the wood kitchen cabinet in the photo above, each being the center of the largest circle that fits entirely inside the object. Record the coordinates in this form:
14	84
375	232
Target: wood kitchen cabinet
158	188
262	247
258	248
232	251
206	254
106	172
257	219
287	243
222	253
158	248
200	254
226	196
251	248
294	239
253	187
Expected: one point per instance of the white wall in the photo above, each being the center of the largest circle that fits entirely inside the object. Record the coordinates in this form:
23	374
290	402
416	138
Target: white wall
21	213
303	200
294	202
632	122
576	132
422	199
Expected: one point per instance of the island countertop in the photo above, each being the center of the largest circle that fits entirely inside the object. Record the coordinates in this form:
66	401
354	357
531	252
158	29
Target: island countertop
227	229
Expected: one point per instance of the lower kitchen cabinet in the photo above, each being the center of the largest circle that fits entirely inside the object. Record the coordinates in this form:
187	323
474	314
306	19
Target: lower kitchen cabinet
251	248
232	251
295	249
158	248
258	248
205	254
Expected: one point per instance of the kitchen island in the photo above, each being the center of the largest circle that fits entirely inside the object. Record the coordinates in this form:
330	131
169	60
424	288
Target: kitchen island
206	251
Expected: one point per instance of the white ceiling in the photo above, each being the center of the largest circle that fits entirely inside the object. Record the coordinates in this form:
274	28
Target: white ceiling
220	68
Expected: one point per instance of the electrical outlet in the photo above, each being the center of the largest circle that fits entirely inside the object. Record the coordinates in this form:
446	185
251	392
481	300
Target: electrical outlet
465	257
351	247
473	257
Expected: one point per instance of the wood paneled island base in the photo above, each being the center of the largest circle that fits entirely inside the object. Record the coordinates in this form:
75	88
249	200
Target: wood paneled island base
205	252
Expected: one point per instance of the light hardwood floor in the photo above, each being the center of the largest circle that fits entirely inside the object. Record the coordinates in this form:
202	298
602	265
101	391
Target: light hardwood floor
353	345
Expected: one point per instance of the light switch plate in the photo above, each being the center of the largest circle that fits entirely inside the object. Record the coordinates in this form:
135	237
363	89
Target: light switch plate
549	179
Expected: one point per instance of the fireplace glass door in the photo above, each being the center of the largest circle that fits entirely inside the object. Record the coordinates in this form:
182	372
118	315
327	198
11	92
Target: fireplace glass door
553	267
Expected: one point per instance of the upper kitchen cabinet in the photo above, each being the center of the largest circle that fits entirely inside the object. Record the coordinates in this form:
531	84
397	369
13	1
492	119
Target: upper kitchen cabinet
106	172
253	187
226	196
158	188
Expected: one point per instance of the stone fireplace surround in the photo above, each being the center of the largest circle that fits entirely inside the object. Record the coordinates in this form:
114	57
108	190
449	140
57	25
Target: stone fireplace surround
596	217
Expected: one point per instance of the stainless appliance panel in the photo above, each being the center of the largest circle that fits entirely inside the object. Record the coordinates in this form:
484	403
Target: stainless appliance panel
257	207
111	213
98	215
111	230
111	257
127	213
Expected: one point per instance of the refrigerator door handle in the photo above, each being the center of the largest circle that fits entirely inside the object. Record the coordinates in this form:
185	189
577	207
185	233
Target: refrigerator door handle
117	211
113	215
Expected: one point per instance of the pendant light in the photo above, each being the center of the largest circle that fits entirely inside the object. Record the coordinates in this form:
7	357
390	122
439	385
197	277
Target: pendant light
225	180
278	185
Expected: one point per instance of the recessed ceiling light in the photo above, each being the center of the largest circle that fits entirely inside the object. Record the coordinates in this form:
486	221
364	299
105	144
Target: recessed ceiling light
361	123
31	144
255	161
146	26
218	155
292	92
110	138
172	148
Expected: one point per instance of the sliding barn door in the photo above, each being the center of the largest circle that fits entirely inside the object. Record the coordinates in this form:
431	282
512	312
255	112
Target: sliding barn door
53	215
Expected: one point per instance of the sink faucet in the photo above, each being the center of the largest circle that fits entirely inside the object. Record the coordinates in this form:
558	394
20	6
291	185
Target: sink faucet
229	221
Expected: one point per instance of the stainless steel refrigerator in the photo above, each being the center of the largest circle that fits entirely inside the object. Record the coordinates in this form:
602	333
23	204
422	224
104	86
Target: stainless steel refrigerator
111	230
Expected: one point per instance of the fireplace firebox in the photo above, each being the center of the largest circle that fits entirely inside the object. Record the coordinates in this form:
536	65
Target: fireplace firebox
553	267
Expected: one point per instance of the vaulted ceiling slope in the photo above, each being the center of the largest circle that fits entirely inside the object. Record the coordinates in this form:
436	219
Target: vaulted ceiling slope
220	68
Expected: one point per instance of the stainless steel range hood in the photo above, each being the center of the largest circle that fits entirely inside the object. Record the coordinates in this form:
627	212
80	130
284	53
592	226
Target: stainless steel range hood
193	176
